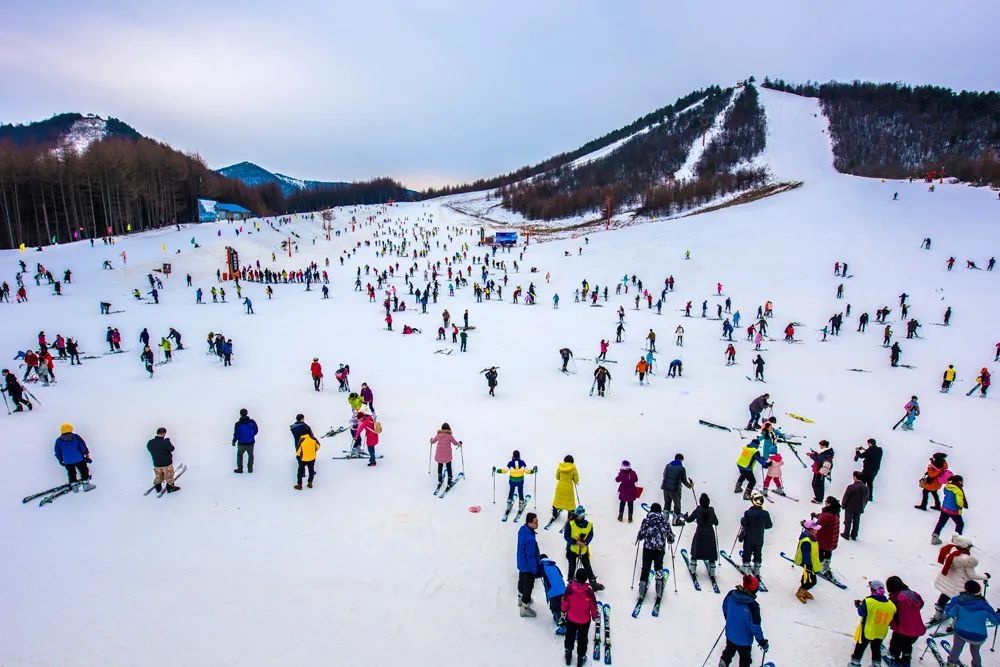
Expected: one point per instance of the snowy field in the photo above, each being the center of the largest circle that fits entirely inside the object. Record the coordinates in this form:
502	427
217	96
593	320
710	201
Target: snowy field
369	567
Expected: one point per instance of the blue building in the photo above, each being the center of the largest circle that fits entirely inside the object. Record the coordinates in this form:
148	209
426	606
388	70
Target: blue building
211	211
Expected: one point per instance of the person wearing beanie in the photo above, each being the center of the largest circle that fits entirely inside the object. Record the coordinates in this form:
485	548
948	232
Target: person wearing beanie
753	523
655	533
628	490
955	501
579	533
807	556
983	382
704	545
932	481
828	535
907	625
958	566
743	622
579	607
876	612
972	613
674	478
72	453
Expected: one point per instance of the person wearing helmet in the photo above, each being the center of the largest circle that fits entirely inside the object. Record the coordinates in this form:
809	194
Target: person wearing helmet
72	453
579	533
984	382
807	556
742	614
753	523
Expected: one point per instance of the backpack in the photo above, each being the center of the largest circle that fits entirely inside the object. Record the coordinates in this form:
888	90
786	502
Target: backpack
378	427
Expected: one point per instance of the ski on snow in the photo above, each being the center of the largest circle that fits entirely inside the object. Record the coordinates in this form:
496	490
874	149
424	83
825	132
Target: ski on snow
760	582
521	507
510	507
64	489
605	610
177	473
28	499
552	520
656	602
829	577
334	431
711	425
458	478
597	634
694	579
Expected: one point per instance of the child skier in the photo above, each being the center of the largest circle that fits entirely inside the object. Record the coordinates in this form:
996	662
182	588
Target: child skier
516	468
627	490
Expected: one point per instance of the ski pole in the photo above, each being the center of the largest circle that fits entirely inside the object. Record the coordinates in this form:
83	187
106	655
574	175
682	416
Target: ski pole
5	403
535	481
673	567
430	449
635	564
713	646
576	488
993	648
461	451
493	474
735	540
763	656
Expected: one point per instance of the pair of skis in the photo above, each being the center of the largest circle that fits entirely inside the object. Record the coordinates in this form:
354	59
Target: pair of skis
694	577
552	521
350	454
942	660
48	495
180	470
520	510
603	617
656	602
822	575
760	582
334	431
443	487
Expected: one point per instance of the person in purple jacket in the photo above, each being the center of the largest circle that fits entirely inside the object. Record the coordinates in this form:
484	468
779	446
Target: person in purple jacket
368	397
627	490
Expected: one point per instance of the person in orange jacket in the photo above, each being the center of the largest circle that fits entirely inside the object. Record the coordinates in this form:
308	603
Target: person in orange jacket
641	368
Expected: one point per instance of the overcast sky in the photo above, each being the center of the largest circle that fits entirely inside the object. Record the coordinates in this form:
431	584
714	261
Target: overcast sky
441	92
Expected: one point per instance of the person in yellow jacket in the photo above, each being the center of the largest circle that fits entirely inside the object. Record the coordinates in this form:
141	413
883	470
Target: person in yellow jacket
807	555
167	349
876	612
567	478
949	378
305	453
641	368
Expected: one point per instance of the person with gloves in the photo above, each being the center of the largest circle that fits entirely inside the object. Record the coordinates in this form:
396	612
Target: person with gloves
958	566
579	606
655	533
579	533
753	523
72	453
971	612
876	612
742	614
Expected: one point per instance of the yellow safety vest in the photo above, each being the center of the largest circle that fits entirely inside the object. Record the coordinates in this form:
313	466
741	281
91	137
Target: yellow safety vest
746	456
813	551
577	533
878	618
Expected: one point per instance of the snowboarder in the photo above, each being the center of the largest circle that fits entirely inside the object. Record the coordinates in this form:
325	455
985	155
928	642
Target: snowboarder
244	436
161	451
628	490
443	442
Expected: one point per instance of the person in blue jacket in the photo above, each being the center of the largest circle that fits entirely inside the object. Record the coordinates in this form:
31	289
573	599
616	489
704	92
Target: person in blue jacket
742	614
72	453
555	586
529	563
971	613
244	434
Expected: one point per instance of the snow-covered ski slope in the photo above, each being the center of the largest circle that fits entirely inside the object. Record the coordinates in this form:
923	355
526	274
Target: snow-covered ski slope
369	567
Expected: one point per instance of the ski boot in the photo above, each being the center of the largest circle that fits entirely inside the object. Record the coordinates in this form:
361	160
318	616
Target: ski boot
659	583
779	490
158	487
824	567
569	656
580	659
800	595
746	494
935	539
738	488
693	567
171	488
510	503
643	586
521	505
526	611
597	586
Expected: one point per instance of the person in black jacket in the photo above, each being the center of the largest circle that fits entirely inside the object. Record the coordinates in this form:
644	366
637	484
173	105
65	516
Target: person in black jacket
871	457
757	406
752	526
298	429
16	391
704	545
674	476
162	451
853	503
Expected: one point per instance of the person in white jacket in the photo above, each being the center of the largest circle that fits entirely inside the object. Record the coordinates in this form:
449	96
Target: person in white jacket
958	566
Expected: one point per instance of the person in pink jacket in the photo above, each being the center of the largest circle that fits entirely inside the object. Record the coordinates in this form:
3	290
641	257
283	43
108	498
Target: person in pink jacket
579	606
444	441
627	489
907	625
369	428
773	475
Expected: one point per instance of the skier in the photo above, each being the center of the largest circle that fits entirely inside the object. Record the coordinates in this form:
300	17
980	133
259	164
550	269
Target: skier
371	429
954	503
579	606
464	336
167	350
934	478
161	451
948	379
147	359
773	474
555	587
675	476
876	612
305	454
144	336
601	376
640	369
912	408
619	330
655	533
368	397
854	502
742	614
604	350
72	453
244	436
16	391
984	382
627	490
176	335
316	371
870	454
516	469
679	336
529	566
958	566
894	353
579	533
828	534
907	625
676	368
443	442
947	316
807	556
566	355
972	613
758	365
753	523
757	406
703	545
567	478
491	379
822	465
730	355
651	337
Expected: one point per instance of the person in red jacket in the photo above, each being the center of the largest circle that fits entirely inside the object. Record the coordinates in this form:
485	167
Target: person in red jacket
907	625
828	536
579	607
317	373
31	362
368	428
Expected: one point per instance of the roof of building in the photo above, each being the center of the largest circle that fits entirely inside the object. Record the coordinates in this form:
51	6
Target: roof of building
232	208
